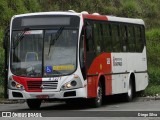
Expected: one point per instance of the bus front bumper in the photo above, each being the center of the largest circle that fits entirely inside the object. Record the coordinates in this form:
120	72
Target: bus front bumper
74	93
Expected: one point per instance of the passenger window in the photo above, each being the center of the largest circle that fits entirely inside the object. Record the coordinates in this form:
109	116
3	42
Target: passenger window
106	37
116	42
123	37
139	39
131	38
97	37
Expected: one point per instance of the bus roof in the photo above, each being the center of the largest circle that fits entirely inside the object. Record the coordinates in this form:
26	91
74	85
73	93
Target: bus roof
47	13
126	20
113	18
94	16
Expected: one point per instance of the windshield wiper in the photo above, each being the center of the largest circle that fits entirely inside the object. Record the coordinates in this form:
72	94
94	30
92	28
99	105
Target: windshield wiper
58	33
20	38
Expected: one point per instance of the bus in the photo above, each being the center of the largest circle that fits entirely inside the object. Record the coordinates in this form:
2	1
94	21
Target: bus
69	55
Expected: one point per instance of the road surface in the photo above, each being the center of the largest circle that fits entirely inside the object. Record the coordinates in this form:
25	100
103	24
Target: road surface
112	110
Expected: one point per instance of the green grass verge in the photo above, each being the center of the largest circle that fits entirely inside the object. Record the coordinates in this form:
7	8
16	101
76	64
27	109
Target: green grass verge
152	90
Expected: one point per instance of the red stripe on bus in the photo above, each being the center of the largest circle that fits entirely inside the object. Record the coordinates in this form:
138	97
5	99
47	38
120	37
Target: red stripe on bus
30	84
100	66
95	17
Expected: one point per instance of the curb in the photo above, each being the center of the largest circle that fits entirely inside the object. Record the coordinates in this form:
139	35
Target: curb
148	98
12	101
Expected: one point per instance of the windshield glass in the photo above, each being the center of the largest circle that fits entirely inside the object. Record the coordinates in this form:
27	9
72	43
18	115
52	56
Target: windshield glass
60	51
27	53
37	53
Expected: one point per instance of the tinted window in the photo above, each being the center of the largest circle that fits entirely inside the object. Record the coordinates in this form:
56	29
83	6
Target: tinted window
131	38
139	39
123	37
97	37
116	41
106	37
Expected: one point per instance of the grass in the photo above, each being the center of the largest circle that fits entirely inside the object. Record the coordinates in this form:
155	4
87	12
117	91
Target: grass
152	90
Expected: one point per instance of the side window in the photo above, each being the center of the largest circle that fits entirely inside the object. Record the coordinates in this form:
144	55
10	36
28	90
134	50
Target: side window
90	45
81	49
116	42
106	37
81	55
89	41
143	35
97	37
101	39
139	39
123	37
131	38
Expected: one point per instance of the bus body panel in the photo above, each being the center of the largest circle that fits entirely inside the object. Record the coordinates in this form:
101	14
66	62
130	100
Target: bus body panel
77	93
101	66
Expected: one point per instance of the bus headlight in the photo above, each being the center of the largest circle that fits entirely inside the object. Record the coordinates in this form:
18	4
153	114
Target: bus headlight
73	84
15	85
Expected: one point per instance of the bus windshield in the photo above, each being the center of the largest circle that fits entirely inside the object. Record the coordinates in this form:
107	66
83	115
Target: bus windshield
38	53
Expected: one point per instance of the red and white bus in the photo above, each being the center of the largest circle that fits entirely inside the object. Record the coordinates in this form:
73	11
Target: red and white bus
69	55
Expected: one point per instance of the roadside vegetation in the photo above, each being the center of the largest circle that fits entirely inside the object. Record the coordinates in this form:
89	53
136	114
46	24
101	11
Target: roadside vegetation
148	10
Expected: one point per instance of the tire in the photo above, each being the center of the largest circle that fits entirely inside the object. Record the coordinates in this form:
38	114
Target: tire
34	104
97	102
130	92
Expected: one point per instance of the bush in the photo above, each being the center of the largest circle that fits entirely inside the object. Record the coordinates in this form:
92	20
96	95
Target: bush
1	57
130	9
153	50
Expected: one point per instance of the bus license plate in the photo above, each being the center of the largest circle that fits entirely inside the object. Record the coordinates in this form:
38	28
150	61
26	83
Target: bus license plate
42	96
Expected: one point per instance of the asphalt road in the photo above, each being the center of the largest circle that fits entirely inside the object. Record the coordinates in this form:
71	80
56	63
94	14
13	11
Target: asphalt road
110	110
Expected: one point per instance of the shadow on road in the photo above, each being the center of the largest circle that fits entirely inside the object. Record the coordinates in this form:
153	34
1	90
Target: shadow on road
79	104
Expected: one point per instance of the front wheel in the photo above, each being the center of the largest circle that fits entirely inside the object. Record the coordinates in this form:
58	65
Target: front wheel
34	104
97	102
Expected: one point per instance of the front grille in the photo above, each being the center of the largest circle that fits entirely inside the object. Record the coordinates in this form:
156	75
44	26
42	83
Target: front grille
34	85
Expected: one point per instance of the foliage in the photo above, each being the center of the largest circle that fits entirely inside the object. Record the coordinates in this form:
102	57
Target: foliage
1	57
152	90
153	50
130	9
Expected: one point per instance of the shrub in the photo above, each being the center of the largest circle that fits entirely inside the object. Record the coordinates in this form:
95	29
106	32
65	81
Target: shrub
130	9
153	50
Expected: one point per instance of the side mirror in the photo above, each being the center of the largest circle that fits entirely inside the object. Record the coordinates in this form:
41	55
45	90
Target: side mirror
89	32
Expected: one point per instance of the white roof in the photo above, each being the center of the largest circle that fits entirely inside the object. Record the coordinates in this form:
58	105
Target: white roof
48	13
126	20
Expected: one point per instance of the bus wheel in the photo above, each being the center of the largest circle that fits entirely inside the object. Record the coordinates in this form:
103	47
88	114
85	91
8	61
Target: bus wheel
97	102
34	104
129	94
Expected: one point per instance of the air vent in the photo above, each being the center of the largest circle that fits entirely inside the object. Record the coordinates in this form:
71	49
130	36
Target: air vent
36	85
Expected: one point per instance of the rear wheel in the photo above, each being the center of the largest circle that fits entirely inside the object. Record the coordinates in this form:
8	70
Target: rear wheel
34	103
130	92
97	102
